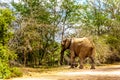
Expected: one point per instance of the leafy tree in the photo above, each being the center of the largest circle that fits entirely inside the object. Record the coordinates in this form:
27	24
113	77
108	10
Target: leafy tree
5	20
6	32
36	35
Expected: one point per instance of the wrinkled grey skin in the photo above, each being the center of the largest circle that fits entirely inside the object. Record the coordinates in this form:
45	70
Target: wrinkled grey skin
79	47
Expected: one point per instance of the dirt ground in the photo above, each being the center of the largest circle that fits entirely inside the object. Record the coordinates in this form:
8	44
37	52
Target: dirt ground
109	72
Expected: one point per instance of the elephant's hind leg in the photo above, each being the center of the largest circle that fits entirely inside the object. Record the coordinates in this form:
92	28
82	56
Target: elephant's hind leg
81	62
92	63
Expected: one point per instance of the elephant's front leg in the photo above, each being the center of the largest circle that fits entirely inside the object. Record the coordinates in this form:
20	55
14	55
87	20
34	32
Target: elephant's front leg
72	59
81	61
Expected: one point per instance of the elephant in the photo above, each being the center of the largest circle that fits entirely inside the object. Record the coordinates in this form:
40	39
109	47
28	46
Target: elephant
79	47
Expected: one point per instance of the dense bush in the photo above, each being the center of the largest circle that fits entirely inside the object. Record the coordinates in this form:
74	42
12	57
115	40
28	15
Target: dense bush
6	32
102	49
114	44
5	56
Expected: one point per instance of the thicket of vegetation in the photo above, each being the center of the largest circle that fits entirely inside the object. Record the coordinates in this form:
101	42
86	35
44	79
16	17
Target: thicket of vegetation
6	18
31	30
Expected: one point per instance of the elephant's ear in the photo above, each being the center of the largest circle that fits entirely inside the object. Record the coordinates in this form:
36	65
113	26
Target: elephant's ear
67	43
63	42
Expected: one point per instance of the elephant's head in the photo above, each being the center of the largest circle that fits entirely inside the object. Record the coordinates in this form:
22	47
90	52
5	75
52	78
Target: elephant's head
65	44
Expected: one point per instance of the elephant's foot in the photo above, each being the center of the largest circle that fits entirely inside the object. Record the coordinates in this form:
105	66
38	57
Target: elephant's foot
92	67
72	66
81	67
75	65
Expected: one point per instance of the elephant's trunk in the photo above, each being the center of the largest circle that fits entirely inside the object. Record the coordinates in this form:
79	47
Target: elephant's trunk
61	57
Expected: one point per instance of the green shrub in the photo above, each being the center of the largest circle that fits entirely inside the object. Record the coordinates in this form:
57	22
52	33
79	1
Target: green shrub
15	72
5	70
107	49
114	44
102	49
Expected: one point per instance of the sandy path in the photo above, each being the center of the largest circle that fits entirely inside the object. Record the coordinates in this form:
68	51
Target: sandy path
101	73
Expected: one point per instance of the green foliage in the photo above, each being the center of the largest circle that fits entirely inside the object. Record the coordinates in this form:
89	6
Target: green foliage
4	70
102	49
5	56
32	8
7	72
35	47
114	42
15	72
6	18
35	39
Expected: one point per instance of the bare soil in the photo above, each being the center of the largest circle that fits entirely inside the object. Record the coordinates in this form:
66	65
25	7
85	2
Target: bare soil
108	72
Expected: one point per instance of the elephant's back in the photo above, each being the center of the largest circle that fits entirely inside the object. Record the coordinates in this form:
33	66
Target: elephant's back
82	41
78	40
81	45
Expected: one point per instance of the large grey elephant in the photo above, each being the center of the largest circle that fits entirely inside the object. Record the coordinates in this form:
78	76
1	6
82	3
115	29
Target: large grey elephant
79	47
